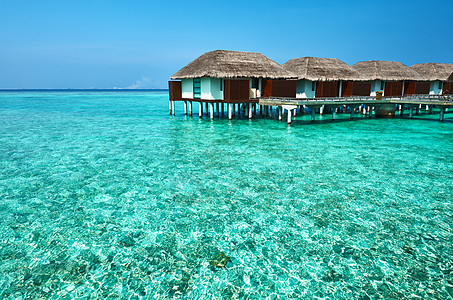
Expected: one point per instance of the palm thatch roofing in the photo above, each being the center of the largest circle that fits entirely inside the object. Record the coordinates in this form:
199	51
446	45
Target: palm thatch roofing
434	71
450	78
233	64
387	71
322	69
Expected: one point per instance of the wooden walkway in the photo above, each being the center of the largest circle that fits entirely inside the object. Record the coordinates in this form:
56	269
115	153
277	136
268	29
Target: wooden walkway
446	100
367	103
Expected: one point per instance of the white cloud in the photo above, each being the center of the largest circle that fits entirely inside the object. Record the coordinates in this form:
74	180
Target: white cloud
144	83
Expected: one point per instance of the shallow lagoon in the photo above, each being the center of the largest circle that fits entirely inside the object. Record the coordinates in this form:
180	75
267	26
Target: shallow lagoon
104	195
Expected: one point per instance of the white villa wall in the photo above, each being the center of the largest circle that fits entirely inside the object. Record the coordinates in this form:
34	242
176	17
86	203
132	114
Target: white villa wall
216	93
304	89
206	88
210	89
187	88
434	88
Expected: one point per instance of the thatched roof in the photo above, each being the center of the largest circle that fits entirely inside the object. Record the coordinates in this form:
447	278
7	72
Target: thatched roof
387	70
233	64
434	71
450	78
322	69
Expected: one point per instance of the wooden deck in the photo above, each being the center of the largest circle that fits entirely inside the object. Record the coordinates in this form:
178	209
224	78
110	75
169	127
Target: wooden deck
446	100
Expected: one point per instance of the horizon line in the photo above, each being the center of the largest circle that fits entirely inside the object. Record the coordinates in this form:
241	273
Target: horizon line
80	89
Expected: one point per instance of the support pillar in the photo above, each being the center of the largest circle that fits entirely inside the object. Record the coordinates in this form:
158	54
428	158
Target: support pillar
417	110
230	111
442	114
289	117
185	108
250	110
173	107
169	106
321	110
279	108
430	109
200	110
190	108
352	113
411	109
207	108
402	111
334	113
211	111
217	108
313	114
223	109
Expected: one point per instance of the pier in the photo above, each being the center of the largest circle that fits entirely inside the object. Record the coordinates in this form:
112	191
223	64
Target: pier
279	107
370	104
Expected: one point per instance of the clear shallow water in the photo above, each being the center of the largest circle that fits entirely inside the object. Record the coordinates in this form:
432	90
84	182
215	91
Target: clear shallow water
104	195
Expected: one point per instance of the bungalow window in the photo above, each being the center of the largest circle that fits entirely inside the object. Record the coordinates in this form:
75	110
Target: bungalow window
313	86
196	88
382	85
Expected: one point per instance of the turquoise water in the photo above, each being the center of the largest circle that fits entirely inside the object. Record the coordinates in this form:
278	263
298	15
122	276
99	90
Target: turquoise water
104	195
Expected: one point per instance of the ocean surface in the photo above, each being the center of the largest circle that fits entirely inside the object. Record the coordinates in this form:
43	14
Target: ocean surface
104	195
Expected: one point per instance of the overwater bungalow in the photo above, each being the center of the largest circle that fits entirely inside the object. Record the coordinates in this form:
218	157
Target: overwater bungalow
324	77
231	77
388	77
436	75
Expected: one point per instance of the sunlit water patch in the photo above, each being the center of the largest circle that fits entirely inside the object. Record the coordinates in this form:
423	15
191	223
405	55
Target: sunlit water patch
104	195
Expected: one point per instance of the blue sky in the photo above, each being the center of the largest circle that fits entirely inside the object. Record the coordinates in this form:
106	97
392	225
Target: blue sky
140	44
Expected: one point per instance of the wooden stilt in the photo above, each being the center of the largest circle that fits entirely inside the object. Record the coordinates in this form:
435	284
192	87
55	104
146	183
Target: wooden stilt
289	117
411	109
211	110
402	111
200	110
190	108
223	109
321	110
207	108
279	108
169	106
185	108
173	107
430	109
230	111
313	114
352	113
217	108
250	110
334	114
